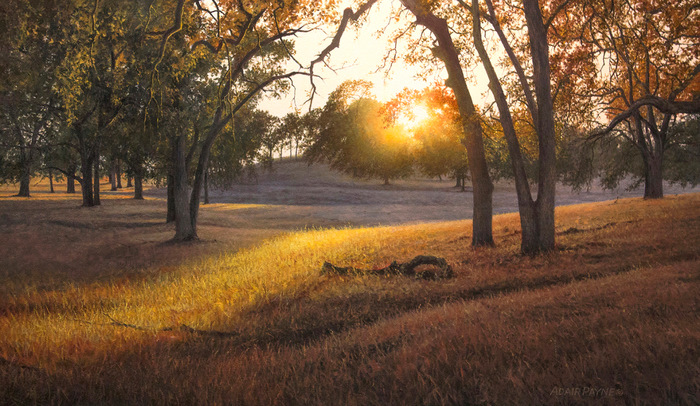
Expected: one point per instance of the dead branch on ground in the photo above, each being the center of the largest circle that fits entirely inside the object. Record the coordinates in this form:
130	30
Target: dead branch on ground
440	268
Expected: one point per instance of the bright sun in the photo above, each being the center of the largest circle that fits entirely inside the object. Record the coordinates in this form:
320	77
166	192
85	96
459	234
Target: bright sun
414	118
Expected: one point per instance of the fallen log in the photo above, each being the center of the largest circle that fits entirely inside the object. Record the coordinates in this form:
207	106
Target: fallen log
440	268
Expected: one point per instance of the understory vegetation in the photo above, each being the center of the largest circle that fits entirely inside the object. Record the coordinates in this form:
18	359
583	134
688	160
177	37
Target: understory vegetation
614	308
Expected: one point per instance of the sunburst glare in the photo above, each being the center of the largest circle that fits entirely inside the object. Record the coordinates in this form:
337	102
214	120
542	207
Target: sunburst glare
413	118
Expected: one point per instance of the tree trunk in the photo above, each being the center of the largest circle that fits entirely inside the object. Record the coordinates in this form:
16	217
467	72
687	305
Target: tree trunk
86	182
96	178
218	123
51	181
113	177
482	233
206	187
24	184
118	174
199	175
138	186
546	135
25	177
653	176
70	180
170	216
184	230
529	219
128	181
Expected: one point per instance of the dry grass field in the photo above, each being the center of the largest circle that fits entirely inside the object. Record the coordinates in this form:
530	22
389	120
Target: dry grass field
97	308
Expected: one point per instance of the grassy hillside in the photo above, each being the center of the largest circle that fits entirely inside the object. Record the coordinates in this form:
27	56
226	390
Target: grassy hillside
614	311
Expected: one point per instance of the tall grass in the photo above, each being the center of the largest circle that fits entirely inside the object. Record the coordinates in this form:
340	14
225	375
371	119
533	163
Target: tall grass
616	307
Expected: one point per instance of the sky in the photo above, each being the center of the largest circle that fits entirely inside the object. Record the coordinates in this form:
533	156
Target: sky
359	57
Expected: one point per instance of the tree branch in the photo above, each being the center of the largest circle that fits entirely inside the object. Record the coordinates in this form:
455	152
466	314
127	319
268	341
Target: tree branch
348	15
177	26
663	105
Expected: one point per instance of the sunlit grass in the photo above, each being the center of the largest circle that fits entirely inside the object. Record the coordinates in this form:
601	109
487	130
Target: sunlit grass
262	325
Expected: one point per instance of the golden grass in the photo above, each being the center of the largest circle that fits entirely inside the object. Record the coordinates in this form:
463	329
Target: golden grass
615	309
